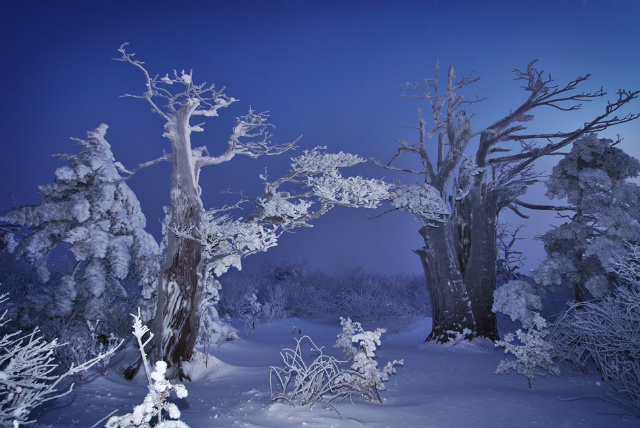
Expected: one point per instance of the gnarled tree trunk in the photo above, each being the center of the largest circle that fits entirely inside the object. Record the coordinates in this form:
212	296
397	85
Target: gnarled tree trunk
450	303
184	266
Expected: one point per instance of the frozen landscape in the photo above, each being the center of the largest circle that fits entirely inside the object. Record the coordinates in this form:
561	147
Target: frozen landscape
497	285
438	386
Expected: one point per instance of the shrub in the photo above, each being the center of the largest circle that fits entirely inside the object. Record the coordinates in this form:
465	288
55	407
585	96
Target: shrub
533	354
154	405
606	332
27	364
323	379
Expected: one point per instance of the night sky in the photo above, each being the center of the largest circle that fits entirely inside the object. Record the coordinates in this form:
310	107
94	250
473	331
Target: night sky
327	70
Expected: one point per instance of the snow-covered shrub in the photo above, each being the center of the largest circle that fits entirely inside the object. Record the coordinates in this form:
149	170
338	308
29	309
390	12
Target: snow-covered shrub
213	329
369	379
390	298
27	363
532	354
323	379
517	299
301	383
345	341
362	295
607	332
81	343
151	413
251	311
274	308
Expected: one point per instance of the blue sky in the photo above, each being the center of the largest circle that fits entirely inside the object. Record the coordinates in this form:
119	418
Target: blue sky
327	70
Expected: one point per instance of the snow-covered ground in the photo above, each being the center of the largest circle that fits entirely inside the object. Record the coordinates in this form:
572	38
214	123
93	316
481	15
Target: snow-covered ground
438	386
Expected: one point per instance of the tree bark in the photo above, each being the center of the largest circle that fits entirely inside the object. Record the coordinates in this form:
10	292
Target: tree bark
480	270
452	316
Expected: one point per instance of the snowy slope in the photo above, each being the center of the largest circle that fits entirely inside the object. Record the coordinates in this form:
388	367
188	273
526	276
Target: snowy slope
438	386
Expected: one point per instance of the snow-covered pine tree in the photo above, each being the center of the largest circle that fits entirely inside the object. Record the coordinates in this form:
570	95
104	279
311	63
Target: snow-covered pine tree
204	244
581	252
90	210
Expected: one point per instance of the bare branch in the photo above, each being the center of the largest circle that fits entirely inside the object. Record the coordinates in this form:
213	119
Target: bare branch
544	207
131	173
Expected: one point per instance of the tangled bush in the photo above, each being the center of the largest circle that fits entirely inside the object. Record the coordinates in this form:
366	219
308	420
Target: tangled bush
323	379
607	332
27	378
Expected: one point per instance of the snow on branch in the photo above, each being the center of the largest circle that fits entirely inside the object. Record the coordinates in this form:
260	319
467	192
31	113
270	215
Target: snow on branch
424	202
322	185
184	98
158	87
27	378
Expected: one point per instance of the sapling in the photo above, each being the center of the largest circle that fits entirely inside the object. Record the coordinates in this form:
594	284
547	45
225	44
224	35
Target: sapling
366	365
533	354
151	409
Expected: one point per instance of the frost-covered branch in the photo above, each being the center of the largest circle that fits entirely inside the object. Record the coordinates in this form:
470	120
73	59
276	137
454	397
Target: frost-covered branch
201	94
27	379
152	410
132	172
450	123
184	98
322	187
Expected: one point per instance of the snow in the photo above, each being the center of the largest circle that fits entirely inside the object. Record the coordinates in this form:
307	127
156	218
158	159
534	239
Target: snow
453	386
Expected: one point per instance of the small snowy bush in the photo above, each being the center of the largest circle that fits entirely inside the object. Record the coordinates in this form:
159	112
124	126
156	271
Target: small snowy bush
213	329
369	379
323	379
81	343
301	383
152	409
26	366
533	354
345	338
274	308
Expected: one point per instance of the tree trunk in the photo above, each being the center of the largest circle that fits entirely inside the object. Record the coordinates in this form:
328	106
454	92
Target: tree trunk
480	270
184	268
452	316
461	267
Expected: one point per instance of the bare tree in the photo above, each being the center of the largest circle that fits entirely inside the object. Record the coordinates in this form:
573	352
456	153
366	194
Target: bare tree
459	256
201	244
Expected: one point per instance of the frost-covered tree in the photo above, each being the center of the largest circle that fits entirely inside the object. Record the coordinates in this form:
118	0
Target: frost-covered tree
533	354
459	196
594	178
90	211
203	244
